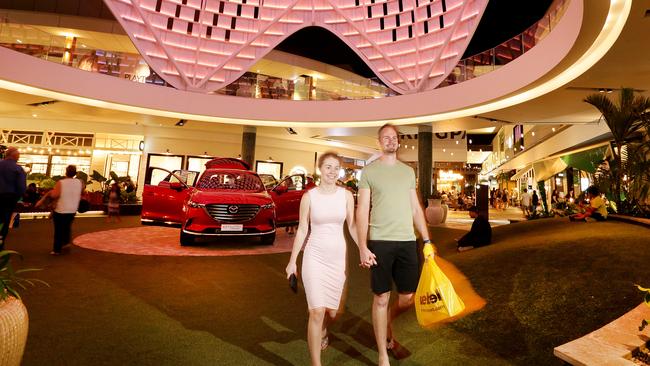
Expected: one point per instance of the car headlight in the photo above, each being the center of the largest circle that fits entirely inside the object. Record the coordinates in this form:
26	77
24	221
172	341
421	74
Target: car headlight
268	206
195	204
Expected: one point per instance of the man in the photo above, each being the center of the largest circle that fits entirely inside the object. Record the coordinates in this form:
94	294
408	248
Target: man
389	247
525	203
479	235
12	188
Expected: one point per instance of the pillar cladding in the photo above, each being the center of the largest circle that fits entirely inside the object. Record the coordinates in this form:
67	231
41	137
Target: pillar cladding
425	162
248	145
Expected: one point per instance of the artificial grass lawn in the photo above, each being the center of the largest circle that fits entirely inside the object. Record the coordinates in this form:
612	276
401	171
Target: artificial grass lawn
545	282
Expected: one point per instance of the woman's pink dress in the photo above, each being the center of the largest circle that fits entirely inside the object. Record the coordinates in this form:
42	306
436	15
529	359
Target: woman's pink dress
323	263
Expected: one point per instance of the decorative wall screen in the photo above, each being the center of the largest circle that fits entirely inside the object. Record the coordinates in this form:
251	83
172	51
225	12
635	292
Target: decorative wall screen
204	45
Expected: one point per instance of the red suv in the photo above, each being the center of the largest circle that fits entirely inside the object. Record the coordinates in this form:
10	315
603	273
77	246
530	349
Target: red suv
228	199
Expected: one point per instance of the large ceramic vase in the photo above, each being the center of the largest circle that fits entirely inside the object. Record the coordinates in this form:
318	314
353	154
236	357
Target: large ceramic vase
13	331
436	212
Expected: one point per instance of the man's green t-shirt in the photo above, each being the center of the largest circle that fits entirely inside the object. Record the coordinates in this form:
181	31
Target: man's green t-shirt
391	215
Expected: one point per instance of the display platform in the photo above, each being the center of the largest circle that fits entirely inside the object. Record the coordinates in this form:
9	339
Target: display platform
161	240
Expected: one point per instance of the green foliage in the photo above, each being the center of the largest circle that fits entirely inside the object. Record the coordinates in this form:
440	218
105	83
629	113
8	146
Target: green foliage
128	197
37	177
10	279
47	183
646	300
84	178
626	120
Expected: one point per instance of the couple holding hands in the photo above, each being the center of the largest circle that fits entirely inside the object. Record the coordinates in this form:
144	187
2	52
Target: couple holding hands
384	235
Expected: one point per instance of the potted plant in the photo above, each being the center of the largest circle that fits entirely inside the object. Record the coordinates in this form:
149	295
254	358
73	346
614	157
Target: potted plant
13	314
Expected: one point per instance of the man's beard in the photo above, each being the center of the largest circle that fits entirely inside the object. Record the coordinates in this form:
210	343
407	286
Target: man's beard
390	149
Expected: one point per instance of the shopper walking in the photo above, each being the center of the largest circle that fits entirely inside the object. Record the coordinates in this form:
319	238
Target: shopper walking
323	211
525	202
388	186
535	201
67	192
114	203
12	188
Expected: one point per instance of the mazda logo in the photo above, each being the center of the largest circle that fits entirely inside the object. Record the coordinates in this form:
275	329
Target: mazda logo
233	209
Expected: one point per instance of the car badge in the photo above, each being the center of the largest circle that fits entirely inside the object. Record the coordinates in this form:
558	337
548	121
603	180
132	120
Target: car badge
233	209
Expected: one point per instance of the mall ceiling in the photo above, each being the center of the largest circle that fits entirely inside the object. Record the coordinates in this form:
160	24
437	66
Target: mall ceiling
624	65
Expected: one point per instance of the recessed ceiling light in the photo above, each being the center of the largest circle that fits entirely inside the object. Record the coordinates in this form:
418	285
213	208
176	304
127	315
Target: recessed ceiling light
19	41
34	115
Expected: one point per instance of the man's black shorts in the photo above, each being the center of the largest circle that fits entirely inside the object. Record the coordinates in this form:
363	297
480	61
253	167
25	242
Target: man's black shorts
396	260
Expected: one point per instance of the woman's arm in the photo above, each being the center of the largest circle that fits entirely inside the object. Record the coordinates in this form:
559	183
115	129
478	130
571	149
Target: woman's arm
301	234
349	217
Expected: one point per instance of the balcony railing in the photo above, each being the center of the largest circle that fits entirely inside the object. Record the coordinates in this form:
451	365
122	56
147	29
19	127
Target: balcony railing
492	59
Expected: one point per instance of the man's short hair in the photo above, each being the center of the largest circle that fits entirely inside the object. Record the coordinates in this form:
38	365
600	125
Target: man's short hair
71	171
388	125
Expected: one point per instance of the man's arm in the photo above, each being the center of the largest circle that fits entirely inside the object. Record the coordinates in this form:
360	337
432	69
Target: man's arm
421	223
363	216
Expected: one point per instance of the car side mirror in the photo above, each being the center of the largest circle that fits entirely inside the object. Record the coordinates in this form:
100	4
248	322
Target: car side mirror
281	189
177	186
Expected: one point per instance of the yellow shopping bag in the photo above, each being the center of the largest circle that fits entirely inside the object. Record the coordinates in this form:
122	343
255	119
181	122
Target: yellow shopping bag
435	298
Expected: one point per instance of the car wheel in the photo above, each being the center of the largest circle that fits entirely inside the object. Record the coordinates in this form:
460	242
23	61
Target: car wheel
268	239
187	239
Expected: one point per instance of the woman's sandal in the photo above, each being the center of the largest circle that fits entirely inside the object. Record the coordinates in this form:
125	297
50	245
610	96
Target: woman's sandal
324	342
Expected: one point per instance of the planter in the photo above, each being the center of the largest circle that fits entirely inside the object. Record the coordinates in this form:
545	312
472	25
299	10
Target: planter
13	331
436	212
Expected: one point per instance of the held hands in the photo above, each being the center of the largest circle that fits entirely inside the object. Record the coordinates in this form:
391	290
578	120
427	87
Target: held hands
291	269
367	258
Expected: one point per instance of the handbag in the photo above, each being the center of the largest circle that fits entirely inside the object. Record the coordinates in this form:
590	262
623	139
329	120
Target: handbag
84	205
435	298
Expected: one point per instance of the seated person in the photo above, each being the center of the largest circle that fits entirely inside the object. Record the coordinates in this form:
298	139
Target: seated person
596	209
479	235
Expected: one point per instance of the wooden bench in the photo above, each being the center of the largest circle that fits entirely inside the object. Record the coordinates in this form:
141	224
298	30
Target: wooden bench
610	345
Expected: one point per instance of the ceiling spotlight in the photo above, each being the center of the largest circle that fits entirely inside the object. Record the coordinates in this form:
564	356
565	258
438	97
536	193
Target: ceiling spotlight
609	91
553	129
181	122
291	131
601	90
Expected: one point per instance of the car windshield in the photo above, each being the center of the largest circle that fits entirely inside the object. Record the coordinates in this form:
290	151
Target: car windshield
236	181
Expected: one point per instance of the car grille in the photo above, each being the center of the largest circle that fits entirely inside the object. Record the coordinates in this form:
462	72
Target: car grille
226	213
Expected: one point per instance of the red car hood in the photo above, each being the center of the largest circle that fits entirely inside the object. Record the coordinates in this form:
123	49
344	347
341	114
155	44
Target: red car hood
208	197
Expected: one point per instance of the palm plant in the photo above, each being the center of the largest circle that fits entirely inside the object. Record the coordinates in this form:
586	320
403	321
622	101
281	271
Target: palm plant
625	120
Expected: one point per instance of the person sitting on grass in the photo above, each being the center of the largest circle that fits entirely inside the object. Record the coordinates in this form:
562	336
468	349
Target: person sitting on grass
479	235
597	208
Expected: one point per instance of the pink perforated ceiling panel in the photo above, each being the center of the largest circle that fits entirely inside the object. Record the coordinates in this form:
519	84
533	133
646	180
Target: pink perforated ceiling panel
203	45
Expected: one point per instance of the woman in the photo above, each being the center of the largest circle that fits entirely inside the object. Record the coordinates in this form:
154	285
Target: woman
114	203
67	192
323	210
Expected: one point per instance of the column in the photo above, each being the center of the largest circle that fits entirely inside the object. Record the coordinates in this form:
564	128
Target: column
248	145
425	161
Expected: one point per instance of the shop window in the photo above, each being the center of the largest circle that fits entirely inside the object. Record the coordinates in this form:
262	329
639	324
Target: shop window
269	167
168	162
59	163
34	163
197	163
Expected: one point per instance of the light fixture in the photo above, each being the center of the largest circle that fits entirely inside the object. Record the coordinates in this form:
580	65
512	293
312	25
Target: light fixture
553	129
181	122
444	150
19	41
601	90
412	147
291	131
533	133
141	145
34	115
470	141
609	91
270	159
457	142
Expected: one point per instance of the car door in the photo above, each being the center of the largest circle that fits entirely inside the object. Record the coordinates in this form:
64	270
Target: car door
164	193
287	195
